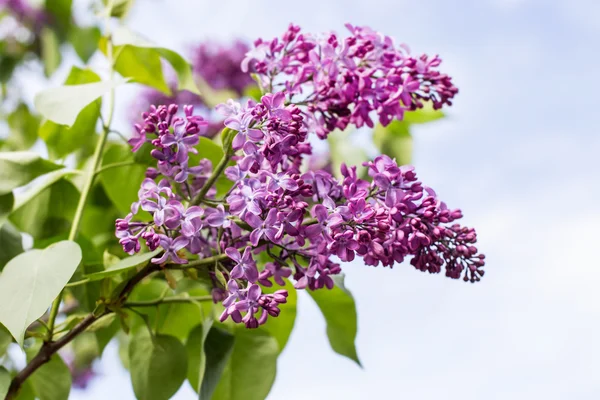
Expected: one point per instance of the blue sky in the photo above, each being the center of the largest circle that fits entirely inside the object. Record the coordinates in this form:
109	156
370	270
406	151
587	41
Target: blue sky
516	154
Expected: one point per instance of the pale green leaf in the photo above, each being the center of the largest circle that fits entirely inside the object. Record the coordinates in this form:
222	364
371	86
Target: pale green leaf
343	150
4	382
251	369
5	341
51	56
62	140
63	104
31	281
395	141
339	310
18	168
423	115
158	368
124	265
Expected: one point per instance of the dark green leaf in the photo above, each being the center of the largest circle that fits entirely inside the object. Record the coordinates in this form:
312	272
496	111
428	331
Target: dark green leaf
213	152
52	381
62	140
11	243
158	368
31	281
21	167
7	202
339	310
51	56
251	369
218	347
84	41
196	355
281	327
46	209
121	184
124	265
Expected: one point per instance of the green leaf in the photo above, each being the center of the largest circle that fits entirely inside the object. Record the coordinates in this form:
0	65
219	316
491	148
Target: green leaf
121	184
47	209
142	66
194	347
251	369
31	281
4	382
7	202
85	41
21	167
394	140
11	243
62	140
51	56
60	11
124	37
423	115
218	347
157	368
52	381
5	341
120	8
124	265
339	310
281	327
343	150
63	104
23	128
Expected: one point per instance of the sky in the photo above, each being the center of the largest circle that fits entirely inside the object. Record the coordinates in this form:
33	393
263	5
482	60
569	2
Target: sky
516	153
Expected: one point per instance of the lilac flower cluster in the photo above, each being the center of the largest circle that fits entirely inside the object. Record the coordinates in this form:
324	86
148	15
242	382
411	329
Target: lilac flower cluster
273	221
343	81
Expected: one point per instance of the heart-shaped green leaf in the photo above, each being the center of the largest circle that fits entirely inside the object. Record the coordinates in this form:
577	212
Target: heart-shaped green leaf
31	281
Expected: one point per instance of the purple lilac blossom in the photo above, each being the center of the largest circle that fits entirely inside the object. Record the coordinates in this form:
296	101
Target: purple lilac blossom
300	223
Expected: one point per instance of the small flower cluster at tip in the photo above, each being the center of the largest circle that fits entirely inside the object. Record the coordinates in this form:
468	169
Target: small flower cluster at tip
219	65
341	81
298	223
